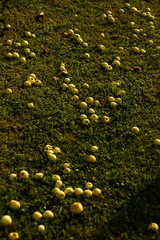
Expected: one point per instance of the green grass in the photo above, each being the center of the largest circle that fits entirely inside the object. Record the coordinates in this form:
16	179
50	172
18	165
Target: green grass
127	166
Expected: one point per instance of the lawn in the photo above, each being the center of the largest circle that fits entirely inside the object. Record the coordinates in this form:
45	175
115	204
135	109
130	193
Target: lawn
95	82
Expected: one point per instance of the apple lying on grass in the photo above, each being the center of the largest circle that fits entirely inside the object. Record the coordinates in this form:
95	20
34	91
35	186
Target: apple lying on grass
76	208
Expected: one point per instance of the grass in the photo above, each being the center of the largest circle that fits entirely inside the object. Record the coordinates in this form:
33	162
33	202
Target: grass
127	166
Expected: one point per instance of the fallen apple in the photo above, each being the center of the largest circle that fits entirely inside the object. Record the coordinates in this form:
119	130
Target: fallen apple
153	227
91	158
48	214
6	220
76	208
36	215
13	236
14	204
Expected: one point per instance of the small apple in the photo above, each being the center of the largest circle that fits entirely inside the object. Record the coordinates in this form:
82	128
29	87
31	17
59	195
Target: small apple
87	193
105	119
12	176
132	23
104	15
6	220
96	103
9	55
9	42
25	43
94	149
85	85
60	194
96	191
122	92
116	63
30	105
67	80
80	41
13	236
144	14
157	142
22	59
89	100
17	44
153	227
52	157
89	185
27	50
121	10
104	64
55	190
101	47
38	82
85	44
56	150
48	147
28	34
64	85
83	104
24	174
134	9
109	68
66	170
91	158
14	204
66	165
8	26
78	191
127	5
137	30
82	116
58	183
113	104
56	177
38	175
86	55
91	111
135	129
75	97
85	121
62	68
41	228
27	83
32	54
37	215
48	214
70	31
69	191
111	99
8	90
93	117
15	55
135	49
76	208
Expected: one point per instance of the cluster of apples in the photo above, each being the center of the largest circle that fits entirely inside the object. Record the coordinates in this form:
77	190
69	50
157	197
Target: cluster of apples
116	63
24	44
6	221
109	17
32	80
51	152
71	33
16	55
70	191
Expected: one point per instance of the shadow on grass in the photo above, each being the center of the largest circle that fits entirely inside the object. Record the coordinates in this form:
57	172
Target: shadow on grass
131	220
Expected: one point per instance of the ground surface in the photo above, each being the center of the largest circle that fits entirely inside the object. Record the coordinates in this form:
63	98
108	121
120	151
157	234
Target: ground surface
127	163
